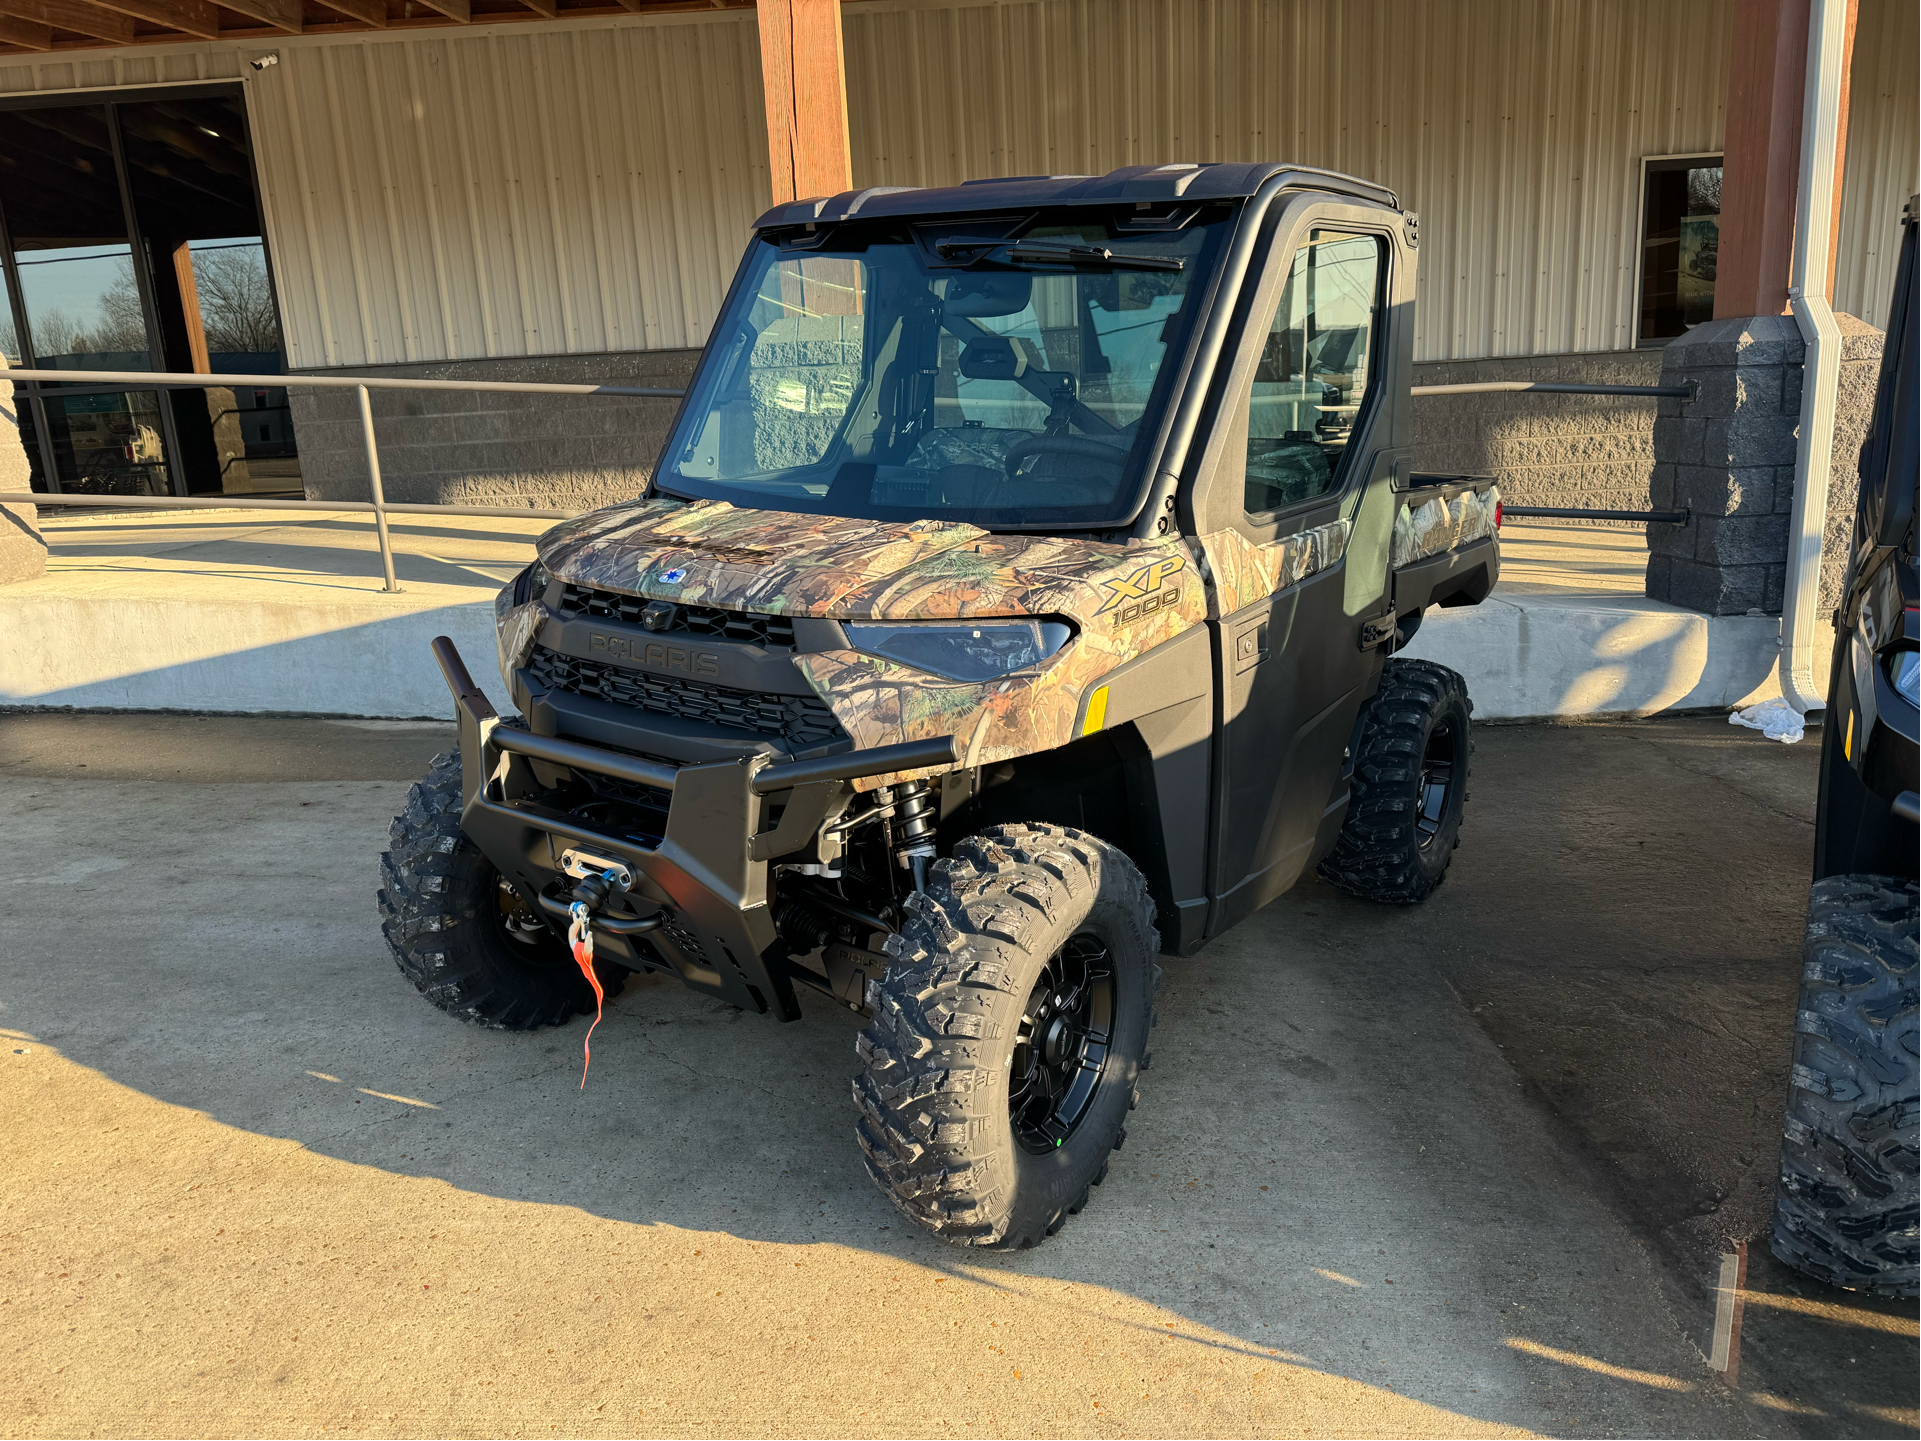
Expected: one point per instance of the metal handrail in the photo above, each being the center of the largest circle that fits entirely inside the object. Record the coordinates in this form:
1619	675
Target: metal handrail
360	384
188	380
1555	387
379	507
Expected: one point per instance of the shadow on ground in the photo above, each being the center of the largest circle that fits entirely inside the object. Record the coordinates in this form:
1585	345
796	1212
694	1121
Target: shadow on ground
1506	1209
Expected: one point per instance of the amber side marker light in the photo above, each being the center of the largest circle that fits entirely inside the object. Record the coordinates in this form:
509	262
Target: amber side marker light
1096	712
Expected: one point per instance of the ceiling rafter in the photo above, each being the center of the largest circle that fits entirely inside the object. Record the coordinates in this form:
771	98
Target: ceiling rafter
368	12
266	19
72	15
193	17
281	14
27	34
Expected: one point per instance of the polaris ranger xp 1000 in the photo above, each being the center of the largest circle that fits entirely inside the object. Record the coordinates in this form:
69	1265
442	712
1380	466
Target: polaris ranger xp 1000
1012	603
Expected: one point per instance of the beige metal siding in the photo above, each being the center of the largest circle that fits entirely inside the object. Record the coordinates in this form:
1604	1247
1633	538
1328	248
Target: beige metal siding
586	186
1883	156
517	191
512	190
1515	127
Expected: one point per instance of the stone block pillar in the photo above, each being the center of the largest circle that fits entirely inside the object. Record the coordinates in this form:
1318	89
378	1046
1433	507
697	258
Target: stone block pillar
1728	457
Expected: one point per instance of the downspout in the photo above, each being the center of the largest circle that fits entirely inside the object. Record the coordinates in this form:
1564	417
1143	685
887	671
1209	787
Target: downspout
1821	363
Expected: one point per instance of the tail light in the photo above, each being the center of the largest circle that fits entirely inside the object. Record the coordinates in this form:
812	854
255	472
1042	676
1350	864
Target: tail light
1498	508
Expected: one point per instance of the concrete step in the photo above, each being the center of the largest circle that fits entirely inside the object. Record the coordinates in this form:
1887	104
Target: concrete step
252	612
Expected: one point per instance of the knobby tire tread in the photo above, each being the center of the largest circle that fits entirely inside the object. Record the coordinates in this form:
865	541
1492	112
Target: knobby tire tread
932	1094
430	912
1378	855
1845	1210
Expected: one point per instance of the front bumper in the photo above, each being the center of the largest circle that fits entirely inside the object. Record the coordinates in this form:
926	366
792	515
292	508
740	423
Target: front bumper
706	879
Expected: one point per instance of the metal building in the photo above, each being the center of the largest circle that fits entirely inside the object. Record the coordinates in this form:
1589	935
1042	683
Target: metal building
520	189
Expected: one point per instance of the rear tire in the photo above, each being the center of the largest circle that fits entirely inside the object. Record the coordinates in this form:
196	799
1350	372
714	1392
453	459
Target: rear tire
1008	1035
1845	1211
1411	768
469	943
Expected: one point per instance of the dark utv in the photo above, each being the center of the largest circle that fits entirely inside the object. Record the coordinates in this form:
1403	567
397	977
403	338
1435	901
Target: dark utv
1012	603
1846	1208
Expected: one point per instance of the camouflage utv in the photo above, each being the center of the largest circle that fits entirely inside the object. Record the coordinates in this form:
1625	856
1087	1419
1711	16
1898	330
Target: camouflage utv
1012	604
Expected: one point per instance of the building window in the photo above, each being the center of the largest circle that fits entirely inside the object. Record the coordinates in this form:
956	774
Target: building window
1680	244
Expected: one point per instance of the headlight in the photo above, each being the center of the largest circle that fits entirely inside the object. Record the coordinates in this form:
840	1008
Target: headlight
531	583
964	650
1904	674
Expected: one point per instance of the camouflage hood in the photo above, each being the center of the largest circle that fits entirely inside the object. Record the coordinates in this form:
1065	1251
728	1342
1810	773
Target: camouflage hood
778	563
1123	601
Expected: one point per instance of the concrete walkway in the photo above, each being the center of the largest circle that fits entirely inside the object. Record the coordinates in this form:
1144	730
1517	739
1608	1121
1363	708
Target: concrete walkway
265	611
1460	1169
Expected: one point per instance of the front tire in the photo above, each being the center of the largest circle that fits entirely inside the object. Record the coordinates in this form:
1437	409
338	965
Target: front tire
1409	786
1008	1035
1845	1212
467	940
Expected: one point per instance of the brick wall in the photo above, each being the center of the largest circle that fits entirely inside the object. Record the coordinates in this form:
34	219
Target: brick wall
1574	450
1591	451
474	448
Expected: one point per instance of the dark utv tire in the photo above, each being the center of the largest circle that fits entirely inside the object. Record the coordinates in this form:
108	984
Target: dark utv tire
1008	1035
1410	783
469	944
1845	1210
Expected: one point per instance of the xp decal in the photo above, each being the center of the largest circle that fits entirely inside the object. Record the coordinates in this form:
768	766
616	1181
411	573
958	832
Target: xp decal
1139	594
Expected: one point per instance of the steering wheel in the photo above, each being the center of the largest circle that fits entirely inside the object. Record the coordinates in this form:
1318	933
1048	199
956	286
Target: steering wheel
1081	447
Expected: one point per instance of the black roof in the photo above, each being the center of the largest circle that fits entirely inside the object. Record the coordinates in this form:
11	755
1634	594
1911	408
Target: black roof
1139	183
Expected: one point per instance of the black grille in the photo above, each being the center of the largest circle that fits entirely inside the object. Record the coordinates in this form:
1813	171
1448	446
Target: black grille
801	722
703	620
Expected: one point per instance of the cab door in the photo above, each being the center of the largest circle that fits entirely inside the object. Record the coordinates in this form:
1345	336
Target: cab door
1293	509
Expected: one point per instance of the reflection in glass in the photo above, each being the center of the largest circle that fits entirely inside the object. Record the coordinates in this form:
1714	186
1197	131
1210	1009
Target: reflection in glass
1680	246
191	179
1313	372
901	380
61	191
83	308
108	444
236	305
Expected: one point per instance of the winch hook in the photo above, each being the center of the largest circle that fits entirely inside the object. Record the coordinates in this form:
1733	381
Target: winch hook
592	890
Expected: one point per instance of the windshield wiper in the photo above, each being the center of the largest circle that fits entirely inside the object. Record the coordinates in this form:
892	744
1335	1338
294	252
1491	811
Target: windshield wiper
1051	252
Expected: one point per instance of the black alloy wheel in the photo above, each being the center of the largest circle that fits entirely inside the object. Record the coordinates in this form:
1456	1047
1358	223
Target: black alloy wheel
1414	746
1437	779
522	926
1061	1044
1009	1033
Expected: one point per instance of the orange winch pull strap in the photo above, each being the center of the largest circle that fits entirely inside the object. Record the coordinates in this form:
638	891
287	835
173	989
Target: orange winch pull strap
580	936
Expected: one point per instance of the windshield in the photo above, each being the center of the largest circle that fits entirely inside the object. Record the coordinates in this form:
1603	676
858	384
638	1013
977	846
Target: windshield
946	372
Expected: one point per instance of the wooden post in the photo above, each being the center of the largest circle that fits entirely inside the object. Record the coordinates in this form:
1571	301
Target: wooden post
1761	164
804	77
1761	157
190	307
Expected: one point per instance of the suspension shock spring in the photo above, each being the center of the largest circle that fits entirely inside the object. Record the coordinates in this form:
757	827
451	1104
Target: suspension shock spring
914	829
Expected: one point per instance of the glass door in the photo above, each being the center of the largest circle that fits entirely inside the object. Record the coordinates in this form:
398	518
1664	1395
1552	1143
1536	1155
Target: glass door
190	177
131	239
78	303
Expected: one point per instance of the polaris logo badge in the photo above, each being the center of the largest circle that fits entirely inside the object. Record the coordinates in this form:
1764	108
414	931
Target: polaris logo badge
654	655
